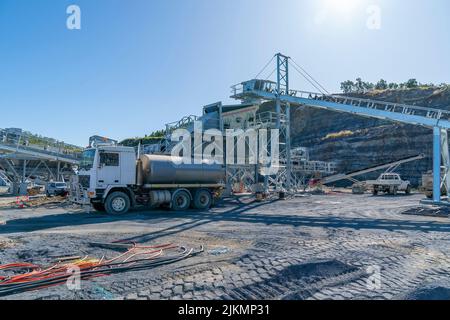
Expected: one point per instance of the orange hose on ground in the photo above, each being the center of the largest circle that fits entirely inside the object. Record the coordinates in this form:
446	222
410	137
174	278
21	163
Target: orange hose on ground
60	270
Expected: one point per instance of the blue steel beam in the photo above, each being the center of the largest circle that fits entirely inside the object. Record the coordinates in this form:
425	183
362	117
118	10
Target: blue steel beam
436	164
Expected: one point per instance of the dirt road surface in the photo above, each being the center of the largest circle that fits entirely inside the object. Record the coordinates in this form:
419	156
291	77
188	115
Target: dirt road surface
338	246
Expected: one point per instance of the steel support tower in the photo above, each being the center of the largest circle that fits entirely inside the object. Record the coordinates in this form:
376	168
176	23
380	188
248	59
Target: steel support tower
283	180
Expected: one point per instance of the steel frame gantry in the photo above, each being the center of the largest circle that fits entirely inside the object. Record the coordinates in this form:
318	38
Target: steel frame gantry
436	119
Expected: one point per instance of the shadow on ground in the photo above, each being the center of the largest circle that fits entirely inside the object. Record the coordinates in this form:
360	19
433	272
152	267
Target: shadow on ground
240	213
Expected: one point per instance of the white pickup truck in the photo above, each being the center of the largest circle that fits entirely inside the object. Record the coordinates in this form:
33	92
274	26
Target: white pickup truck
389	183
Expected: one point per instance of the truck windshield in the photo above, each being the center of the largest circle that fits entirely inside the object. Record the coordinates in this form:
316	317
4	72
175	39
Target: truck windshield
87	160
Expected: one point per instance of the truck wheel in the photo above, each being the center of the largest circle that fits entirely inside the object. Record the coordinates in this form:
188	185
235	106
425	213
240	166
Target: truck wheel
202	199
181	200
375	191
117	203
394	191
99	207
408	190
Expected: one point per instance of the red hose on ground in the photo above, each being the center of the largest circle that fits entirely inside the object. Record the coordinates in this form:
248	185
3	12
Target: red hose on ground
58	273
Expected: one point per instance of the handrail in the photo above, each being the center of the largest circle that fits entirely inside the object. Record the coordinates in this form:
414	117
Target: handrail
373	104
21	148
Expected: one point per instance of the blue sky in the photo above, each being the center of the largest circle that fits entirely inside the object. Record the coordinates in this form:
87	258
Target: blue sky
136	65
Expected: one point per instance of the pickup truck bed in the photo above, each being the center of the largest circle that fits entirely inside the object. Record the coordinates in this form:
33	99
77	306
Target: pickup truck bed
389	183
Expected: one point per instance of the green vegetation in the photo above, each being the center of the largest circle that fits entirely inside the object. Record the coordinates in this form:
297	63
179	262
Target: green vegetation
154	137
360	86
41	141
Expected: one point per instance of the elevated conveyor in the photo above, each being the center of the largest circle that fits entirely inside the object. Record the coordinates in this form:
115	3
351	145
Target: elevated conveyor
436	119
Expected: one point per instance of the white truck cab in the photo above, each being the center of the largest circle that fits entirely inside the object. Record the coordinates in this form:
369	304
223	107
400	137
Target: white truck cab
115	166
105	167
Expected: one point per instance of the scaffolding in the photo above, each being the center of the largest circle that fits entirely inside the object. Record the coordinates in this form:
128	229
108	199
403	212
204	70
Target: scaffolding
27	158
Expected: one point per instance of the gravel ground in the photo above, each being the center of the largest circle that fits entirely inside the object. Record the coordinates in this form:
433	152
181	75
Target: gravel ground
337	246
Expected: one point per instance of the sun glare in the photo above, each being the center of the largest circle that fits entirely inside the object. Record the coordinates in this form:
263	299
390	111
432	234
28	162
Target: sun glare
342	6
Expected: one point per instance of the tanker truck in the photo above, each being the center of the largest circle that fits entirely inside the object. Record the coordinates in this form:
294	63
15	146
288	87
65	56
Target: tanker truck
114	179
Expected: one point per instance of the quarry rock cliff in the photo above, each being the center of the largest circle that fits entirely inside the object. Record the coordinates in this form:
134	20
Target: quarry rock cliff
355	142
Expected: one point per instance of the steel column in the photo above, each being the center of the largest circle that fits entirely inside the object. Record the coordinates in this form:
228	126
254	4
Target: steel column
445	161
288	148
436	164
58	171
24	172
282	181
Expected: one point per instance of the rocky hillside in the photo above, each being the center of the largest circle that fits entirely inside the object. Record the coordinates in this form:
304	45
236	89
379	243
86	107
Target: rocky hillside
356	143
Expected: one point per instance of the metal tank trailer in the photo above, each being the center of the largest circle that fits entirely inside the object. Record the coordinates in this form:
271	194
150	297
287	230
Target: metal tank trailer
161	169
157	172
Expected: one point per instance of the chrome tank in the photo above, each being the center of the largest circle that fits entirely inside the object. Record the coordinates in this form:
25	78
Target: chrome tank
159	169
